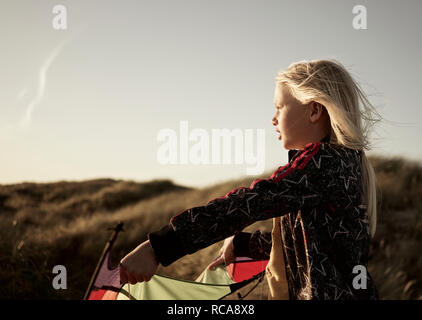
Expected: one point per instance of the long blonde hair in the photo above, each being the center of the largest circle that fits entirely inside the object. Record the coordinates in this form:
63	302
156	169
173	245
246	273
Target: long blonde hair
351	113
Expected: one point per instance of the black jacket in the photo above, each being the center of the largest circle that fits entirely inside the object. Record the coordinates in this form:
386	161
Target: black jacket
325	228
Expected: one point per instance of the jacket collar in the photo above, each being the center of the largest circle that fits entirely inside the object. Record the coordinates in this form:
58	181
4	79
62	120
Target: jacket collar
294	152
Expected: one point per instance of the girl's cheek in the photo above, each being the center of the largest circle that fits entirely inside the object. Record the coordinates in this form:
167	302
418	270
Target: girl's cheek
282	123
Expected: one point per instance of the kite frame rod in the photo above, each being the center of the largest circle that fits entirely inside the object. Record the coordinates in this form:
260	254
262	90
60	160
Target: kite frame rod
109	243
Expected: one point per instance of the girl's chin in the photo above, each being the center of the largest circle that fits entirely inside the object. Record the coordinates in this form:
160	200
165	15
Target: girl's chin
286	144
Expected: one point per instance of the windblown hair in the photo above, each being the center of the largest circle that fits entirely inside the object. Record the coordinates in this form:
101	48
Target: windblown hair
351	113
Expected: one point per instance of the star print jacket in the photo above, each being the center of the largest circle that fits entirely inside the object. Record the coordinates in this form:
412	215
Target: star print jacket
324	224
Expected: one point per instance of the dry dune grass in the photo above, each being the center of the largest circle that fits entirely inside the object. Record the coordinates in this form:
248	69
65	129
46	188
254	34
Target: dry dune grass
67	223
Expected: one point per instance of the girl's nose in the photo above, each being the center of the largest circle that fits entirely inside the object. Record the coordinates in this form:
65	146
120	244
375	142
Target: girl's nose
274	121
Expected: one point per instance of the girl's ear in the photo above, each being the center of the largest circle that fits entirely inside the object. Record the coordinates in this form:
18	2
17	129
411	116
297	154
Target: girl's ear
315	111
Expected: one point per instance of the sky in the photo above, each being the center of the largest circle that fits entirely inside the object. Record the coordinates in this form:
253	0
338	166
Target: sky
92	100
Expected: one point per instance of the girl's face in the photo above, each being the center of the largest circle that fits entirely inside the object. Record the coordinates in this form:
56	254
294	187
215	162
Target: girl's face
291	119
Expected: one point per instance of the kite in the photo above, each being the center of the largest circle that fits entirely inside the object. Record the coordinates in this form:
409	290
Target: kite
210	285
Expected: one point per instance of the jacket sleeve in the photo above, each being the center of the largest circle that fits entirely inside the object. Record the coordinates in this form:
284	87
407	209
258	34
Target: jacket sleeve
290	188
256	245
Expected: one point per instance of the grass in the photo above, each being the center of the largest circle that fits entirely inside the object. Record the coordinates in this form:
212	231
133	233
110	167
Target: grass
66	223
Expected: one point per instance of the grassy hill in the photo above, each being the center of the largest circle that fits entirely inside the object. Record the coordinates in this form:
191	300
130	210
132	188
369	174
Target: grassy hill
66	223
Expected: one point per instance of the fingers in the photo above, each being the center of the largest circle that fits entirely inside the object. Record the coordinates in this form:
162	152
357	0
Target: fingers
215	263
132	278
123	275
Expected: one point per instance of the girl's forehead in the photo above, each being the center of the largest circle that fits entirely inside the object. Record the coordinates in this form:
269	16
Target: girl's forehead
281	94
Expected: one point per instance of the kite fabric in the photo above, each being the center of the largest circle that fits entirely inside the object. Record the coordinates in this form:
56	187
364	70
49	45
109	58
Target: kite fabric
210	285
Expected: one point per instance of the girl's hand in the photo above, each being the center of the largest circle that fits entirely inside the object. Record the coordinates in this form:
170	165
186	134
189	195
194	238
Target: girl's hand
139	265
226	254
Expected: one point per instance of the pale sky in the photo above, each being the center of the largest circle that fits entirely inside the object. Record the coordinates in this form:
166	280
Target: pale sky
89	101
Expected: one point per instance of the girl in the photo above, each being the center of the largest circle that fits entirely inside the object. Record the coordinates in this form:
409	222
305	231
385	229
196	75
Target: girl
323	202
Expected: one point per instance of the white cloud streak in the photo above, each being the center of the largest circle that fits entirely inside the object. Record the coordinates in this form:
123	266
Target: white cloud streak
42	81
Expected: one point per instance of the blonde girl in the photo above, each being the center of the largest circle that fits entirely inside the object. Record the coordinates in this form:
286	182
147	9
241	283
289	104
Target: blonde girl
323	201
